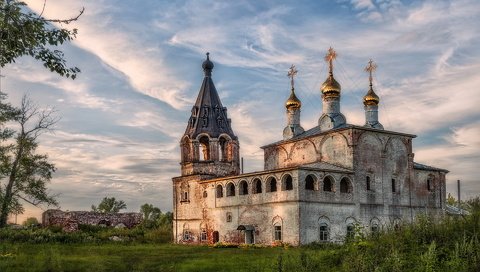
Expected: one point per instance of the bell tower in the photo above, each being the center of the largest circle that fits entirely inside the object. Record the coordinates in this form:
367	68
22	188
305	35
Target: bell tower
209	146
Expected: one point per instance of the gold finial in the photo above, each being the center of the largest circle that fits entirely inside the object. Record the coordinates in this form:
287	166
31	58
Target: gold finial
292	102
331	88
292	72
371	98
329	57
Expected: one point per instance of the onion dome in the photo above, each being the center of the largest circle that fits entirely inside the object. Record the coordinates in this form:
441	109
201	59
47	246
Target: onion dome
207	66
293	102
331	87
371	98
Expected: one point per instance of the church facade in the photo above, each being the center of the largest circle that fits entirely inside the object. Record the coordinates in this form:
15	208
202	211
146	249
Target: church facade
318	185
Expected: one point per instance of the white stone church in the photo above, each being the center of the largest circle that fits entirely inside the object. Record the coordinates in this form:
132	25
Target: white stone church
317	184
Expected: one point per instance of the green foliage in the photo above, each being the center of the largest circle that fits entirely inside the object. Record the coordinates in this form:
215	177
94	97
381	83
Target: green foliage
427	245
109	205
24	174
23	33
31	221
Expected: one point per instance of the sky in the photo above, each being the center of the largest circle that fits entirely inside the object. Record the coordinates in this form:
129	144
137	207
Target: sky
123	117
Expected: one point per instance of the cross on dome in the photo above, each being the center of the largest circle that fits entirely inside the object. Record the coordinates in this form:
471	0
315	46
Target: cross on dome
371	67
292	72
329	57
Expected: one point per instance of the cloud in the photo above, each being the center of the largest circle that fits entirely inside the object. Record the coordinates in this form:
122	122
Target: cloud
121	48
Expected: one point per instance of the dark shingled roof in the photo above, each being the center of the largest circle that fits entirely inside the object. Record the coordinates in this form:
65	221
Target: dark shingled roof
420	166
208	115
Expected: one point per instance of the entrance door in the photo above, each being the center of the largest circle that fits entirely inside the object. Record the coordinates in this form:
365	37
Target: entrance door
216	237
249	237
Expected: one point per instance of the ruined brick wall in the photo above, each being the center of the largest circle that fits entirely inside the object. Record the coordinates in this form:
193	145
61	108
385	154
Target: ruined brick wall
70	220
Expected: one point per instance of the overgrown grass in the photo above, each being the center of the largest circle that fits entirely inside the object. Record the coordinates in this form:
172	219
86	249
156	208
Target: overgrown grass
450	245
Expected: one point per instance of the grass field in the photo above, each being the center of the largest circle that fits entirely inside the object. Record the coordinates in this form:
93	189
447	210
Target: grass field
451	244
141	257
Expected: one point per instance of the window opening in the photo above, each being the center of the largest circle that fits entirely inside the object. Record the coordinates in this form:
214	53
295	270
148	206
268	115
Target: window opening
230	189
219	191
323	232
278	233
327	184
309	183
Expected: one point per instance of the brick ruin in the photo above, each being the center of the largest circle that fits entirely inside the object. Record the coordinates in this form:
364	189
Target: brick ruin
69	221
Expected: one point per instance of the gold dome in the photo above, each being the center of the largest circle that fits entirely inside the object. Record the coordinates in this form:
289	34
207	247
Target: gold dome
371	98
331	88
293	101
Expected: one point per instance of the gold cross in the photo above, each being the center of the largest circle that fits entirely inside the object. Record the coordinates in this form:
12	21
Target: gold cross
369	69
329	57
292	72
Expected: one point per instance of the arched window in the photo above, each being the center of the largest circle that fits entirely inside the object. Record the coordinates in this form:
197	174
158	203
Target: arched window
350	231
368	184
287	183
205	194
328	184
310	183
374	229
271	185
216	237
394	186
222	149
230	189
429	184
345	186
324	232
219	191
204	148
184	197
243	188
257	186
278	232
229	217
203	235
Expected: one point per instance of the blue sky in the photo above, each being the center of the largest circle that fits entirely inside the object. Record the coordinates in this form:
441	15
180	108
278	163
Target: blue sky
122	118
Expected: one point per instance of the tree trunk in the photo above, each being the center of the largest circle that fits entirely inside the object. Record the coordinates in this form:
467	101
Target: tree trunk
8	190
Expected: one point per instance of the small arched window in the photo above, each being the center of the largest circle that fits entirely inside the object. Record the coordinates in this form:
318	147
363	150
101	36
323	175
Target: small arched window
287	183
222	149
204	148
323	232
369	186
230	189
271	185
219	191
328	184
350	231
310	183
429	184
257	186
243	188
345	186
277	229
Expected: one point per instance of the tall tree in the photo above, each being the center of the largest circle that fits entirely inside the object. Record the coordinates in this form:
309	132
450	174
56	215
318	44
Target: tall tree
25	33
109	205
24	173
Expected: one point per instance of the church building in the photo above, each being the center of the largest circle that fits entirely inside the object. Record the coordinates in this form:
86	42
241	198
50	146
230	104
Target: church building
317	185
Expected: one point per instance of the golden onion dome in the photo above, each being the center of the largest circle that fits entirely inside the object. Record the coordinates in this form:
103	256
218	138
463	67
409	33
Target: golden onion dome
331	87
371	98
293	102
